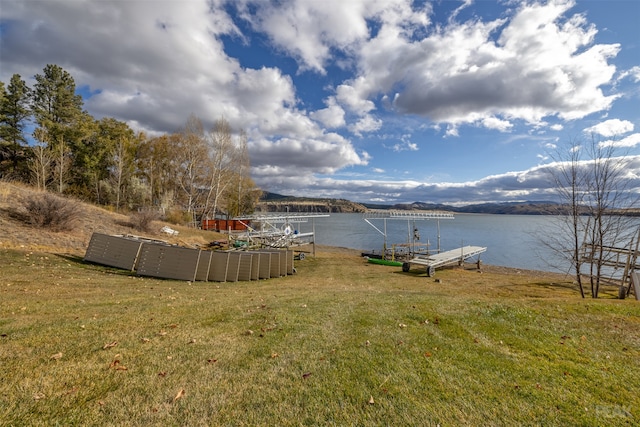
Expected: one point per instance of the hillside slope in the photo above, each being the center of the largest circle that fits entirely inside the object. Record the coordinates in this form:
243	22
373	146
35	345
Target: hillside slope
16	234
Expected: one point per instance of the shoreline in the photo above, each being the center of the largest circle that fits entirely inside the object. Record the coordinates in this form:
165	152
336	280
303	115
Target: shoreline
489	268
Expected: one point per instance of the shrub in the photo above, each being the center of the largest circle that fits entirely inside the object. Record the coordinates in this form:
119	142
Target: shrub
178	217
46	210
142	220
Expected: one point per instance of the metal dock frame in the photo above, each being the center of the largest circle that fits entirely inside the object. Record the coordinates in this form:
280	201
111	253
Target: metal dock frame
455	256
408	215
277	230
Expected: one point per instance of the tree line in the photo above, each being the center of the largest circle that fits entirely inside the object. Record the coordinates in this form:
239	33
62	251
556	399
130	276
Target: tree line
196	171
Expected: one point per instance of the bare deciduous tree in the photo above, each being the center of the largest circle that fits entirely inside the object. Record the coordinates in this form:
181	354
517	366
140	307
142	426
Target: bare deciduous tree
40	164
593	187
243	196
568	175
209	173
156	165
191	153
122	158
221	150
61	163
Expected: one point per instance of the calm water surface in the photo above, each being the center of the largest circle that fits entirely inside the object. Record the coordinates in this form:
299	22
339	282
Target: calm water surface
511	240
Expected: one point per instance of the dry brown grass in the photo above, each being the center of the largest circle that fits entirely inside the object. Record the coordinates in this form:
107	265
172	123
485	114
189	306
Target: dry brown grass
16	234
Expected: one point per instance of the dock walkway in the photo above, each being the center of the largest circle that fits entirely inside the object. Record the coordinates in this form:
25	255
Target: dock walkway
431	262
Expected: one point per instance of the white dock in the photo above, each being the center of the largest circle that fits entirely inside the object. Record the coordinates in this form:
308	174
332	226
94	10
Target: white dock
455	256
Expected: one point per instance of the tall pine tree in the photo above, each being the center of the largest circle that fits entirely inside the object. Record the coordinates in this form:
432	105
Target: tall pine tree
57	111
14	112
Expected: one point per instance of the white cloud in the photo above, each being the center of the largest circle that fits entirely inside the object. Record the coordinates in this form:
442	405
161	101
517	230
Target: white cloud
310	30
147	60
613	127
405	144
354	98
629	141
307	30
541	65
452	130
331	117
365	124
497	124
633	73
299	157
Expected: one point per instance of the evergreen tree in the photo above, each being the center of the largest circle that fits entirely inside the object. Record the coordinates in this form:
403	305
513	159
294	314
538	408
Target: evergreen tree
58	112
14	112
55	103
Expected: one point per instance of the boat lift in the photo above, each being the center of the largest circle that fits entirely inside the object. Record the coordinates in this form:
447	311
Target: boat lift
412	233
427	260
277	230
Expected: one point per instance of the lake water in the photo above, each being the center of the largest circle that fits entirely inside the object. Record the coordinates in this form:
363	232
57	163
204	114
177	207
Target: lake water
511	240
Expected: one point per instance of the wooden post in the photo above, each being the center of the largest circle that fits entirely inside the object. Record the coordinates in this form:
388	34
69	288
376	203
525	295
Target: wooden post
635	280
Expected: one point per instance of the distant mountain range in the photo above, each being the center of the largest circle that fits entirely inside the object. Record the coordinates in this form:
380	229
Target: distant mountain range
511	208
272	202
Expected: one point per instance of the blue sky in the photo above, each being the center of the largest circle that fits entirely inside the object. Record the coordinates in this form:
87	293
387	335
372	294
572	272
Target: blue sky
383	101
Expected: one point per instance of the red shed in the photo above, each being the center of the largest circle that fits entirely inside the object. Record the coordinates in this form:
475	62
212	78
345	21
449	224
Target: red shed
223	225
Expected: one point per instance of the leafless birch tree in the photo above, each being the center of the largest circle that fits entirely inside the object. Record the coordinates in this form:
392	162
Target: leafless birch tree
191	154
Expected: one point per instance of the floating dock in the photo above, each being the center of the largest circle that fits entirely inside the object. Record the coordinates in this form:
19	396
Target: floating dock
455	256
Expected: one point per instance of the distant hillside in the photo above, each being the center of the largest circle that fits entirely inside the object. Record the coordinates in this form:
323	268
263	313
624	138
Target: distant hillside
272	202
514	208
508	208
519	208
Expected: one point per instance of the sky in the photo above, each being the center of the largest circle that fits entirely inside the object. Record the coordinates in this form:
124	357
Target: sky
379	101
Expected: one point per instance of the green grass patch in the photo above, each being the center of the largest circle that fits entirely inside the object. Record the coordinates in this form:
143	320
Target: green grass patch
342	342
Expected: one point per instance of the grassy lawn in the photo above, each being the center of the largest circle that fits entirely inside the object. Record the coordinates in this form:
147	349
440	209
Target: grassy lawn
342	342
